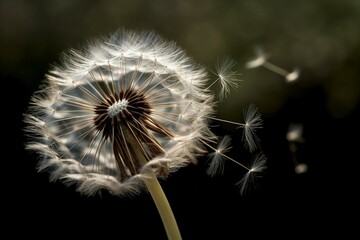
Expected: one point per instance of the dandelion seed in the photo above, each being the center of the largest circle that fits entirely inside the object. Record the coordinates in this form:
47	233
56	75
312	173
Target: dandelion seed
257	166
218	156
227	77
253	122
216	164
294	137
262	60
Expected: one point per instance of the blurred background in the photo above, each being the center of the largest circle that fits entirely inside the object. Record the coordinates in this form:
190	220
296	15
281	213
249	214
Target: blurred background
321	38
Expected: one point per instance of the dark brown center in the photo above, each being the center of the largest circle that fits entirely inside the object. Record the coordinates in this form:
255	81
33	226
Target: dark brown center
125	120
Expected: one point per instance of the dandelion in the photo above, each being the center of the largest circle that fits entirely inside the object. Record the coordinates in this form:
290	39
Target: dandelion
129	109
110	117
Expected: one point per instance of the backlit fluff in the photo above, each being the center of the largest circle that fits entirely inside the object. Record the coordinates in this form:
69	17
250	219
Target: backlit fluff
127	104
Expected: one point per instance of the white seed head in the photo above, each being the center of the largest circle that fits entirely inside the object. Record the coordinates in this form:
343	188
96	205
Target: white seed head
128	104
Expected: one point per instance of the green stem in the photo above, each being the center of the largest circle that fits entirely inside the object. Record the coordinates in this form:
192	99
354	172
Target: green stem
156	192
163	207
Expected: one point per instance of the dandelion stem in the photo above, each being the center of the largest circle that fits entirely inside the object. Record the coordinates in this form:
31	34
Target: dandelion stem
156	192
163	207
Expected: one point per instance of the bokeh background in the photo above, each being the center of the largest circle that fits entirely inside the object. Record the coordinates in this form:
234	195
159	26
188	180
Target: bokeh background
320	37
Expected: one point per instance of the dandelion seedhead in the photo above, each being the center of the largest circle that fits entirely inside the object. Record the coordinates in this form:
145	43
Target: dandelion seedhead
128	107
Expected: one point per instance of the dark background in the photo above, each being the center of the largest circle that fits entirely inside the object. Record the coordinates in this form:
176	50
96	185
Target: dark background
321	37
